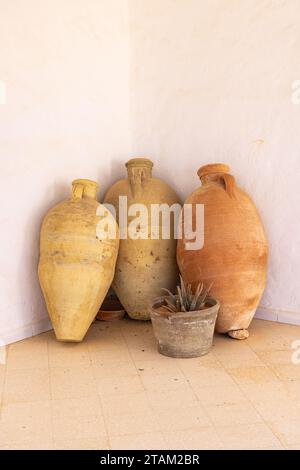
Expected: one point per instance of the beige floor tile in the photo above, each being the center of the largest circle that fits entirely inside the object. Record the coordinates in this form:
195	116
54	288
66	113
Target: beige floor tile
140	350
190	417
275	410
147	441
57	347
35	444
291	332
76	382
24	385
157	367
135	338
116	380
77	407
2	381
129	326
209	376
104	328
26	359
137	423
25	422
268	343
102	331
75	428
203	439
164	382
261	330
275	358
108	326
2	376
110	355
193	364
144	354
119	385
293	390
111	343
36	345
141	341
246	359
287	430
276	447
110	340
82	444
221	395
258	324
252	375
69	358
114	369
287	372
266	392
229	415
248	436
132	403
167	400
294	447
224	345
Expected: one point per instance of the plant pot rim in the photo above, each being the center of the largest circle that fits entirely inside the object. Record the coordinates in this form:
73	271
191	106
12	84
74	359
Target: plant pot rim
111	309
156	303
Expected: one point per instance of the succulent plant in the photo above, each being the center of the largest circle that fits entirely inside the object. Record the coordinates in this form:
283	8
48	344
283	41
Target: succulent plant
185	300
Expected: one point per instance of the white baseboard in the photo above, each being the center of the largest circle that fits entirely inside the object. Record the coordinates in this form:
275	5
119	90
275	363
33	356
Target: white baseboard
262	313
280	316
26	331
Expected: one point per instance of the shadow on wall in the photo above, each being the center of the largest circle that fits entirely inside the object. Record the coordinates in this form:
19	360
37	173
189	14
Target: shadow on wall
29	288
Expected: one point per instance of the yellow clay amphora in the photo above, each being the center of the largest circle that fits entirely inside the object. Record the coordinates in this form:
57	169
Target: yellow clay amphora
145	264
76	266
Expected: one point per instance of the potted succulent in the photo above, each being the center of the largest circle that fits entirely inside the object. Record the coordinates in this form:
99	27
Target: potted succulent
184	323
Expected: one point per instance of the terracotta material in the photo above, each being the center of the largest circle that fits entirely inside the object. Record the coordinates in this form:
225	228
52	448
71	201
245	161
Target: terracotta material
235	252
76	268
184	334
144	266
111	310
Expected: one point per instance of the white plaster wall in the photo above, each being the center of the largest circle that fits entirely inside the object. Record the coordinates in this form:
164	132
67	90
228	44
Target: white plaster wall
212	83
90	83
66	68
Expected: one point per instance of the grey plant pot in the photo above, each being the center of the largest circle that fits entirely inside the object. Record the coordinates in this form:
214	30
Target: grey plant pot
184	334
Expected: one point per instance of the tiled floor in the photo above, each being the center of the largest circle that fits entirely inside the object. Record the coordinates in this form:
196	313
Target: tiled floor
114	391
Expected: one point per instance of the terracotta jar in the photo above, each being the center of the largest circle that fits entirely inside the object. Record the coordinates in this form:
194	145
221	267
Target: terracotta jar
76	268
144	265
235	251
